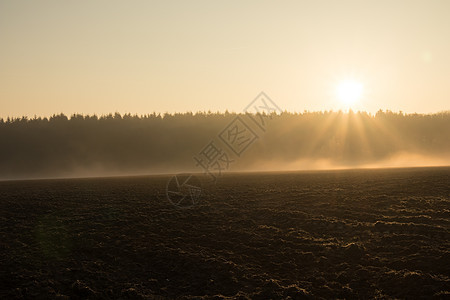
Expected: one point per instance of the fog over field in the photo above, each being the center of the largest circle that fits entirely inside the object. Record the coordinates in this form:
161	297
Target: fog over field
225	149
79	146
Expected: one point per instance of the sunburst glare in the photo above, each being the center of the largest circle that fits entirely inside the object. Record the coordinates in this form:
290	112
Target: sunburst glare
349	92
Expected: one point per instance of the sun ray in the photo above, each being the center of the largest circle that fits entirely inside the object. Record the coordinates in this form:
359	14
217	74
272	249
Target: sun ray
320	133
359	121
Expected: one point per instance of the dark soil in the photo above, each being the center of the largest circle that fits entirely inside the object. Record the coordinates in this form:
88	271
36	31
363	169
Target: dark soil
337	234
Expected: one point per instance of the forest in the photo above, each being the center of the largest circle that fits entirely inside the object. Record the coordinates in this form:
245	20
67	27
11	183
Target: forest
115	144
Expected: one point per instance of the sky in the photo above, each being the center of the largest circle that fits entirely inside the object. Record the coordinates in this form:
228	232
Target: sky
141	57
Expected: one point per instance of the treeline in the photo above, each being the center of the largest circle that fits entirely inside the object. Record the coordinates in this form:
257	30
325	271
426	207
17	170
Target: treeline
154	143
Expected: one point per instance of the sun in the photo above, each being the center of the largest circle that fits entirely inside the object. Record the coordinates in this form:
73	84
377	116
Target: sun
349	92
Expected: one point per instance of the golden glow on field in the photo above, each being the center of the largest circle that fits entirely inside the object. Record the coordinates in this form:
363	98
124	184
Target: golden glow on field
349	92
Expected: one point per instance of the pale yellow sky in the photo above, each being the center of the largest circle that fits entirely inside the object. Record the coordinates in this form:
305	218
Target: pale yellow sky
144	56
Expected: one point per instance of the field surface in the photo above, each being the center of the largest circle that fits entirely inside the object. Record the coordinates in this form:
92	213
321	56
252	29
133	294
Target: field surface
334	234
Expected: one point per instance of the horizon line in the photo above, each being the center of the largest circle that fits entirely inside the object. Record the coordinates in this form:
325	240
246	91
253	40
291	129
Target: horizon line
209	113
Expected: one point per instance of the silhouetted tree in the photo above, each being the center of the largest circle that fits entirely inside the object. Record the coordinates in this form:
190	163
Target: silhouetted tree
154	142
